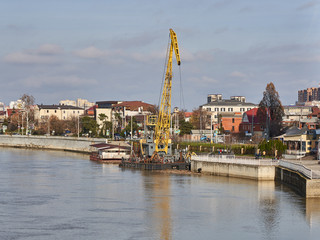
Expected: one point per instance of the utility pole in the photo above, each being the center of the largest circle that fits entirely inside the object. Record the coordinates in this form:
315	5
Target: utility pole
78	126
27	128
252	123
21	123
211	129
131	129
112	137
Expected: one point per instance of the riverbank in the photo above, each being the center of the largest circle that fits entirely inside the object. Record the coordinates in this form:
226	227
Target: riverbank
305	180
73	144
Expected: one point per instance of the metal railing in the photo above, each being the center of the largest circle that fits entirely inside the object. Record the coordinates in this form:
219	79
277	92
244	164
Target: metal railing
298	168
233	160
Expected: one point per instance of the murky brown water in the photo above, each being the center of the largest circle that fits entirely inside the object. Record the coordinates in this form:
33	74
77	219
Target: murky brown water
59	195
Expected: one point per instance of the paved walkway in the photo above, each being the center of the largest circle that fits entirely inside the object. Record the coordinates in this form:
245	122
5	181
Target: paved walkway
310	164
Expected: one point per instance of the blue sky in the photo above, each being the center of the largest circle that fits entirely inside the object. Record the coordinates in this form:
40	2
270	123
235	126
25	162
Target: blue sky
115	50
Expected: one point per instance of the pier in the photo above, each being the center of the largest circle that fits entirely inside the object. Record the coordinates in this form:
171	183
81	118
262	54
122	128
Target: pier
302	176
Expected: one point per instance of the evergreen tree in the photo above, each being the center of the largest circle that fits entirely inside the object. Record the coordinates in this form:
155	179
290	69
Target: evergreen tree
271	111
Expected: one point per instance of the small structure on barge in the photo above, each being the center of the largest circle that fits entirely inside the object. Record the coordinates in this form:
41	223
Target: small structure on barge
110	153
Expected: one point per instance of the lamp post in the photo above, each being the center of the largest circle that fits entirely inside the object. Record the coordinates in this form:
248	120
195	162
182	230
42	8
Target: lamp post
211	129
131	129
78	126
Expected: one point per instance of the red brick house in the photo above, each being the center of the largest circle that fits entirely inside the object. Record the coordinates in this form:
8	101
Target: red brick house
231	121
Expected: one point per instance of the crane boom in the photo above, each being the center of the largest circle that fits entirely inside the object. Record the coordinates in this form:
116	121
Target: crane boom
162	128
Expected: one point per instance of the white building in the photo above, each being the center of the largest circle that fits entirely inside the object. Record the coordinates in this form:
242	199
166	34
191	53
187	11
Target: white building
68	103
19	104
82	103
62	112
216	105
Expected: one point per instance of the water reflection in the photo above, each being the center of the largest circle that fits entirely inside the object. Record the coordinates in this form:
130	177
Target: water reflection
158	194
268	209
57	195
312	211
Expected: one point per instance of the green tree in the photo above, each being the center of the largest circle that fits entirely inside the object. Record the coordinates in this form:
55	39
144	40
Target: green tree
271	146
89	124
185	127
102	117
271	111
135	127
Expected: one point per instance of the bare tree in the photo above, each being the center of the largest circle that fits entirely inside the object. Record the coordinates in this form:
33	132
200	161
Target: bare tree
28	101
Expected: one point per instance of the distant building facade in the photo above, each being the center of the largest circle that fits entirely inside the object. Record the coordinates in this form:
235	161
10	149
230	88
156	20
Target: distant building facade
231	121
251	124
216	106
82	103
19	104
309	94
62	112
104	107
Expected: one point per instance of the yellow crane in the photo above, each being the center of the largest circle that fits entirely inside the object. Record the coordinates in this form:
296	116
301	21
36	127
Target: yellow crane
162	128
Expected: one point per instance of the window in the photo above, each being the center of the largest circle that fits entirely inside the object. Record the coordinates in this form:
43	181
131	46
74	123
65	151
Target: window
223	109
233	128
47	111
78	113
64	111
215	116
74	111
232	120
55	111
248	109
216	109
242	109
230	109
208	109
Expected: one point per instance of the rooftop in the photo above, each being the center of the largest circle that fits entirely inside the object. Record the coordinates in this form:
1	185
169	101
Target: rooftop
229	102
133	105
42	106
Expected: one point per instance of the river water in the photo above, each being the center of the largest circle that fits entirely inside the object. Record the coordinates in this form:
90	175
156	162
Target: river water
61	195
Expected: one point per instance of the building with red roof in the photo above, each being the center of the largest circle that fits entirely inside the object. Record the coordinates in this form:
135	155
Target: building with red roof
250	122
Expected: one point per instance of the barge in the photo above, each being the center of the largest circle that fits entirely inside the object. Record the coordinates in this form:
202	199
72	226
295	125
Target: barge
109	153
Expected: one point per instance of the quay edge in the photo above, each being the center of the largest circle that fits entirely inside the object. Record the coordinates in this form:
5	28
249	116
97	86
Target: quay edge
255	172
308	188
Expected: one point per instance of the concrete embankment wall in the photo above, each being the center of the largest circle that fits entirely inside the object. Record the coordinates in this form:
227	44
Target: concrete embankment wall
49	142
235	170
309	188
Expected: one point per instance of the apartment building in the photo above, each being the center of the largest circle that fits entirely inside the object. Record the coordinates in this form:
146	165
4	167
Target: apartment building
216	105
309	94
104	107
62	112
82	103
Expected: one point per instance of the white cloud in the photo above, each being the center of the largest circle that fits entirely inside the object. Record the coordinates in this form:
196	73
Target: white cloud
90	52
45	54
203	80
199	55
238	74
49	49
71	81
